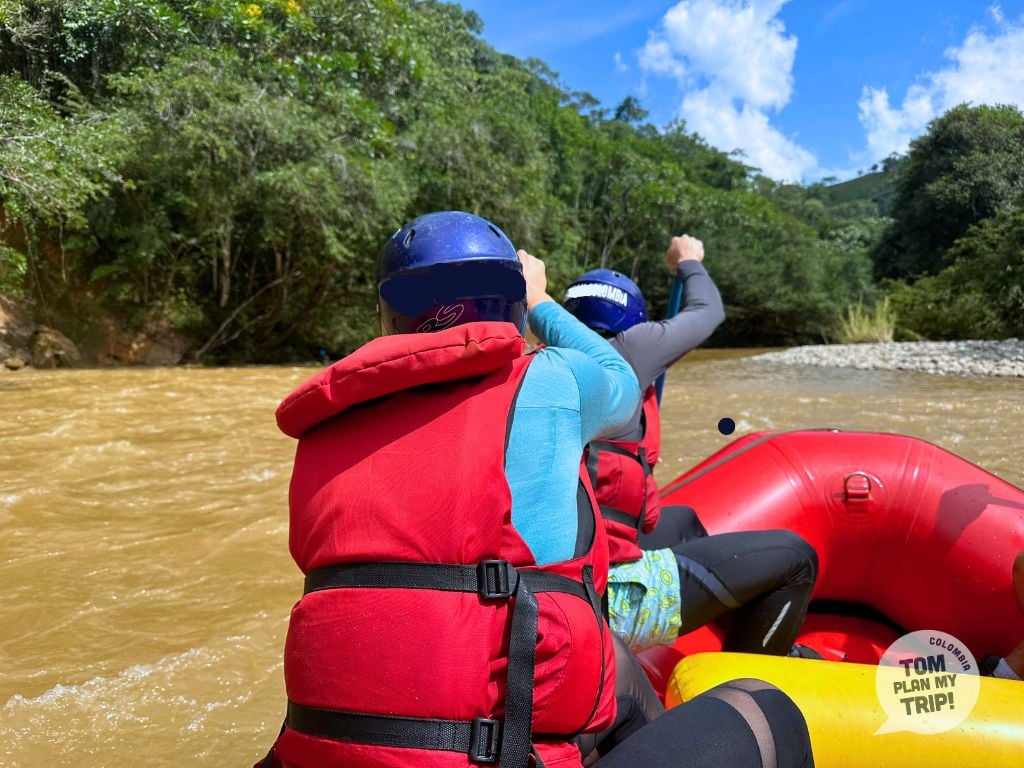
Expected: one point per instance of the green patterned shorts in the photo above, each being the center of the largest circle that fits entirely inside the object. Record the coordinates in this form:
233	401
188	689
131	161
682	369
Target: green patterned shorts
643	600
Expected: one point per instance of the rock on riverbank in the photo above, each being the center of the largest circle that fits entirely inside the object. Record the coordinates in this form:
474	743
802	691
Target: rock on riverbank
945	358
24	342
16	328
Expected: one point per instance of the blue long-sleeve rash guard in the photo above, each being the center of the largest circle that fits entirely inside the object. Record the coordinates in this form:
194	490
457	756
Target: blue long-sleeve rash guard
577	389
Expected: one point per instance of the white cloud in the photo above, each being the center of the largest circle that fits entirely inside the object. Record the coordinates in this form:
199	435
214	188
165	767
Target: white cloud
734	62
620	65
738	44
983	70
710	112
890	130
657	56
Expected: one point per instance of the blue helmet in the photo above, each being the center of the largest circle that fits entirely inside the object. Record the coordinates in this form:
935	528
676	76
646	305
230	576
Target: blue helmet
606	300
446	269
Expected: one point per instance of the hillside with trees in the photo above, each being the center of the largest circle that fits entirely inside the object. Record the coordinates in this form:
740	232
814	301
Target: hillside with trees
225	173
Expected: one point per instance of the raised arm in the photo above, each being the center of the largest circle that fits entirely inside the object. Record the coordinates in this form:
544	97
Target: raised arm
650	348
608	388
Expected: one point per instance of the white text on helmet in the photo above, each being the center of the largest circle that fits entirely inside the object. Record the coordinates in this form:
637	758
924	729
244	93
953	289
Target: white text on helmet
597	291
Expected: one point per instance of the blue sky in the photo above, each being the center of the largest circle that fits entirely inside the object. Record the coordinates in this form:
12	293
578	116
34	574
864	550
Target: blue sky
806	88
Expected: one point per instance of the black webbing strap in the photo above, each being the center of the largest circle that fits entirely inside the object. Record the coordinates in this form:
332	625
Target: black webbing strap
603	445
618	516
599	605
595	448
485	740
492	579
593	455
517	741
479	738
642	458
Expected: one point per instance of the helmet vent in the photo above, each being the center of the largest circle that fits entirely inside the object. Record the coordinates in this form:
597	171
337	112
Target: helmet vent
497	234
409	237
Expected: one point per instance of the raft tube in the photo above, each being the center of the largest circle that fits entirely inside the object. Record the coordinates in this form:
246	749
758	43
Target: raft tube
836	638
901	526
840	704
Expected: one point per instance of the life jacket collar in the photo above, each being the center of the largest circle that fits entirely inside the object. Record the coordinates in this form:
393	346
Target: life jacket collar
391	364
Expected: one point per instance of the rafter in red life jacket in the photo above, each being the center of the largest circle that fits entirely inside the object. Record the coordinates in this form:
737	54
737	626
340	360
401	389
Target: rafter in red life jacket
622	473
427	634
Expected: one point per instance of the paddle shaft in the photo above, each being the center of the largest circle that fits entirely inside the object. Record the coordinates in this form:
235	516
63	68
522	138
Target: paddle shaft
675	301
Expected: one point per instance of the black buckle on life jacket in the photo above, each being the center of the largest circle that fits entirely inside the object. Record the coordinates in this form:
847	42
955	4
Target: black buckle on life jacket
485	741
498	579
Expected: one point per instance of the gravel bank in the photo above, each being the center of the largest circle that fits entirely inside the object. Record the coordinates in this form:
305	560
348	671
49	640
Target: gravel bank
945	358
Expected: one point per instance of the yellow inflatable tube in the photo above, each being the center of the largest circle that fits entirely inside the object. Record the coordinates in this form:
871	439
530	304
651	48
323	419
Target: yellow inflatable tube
841	706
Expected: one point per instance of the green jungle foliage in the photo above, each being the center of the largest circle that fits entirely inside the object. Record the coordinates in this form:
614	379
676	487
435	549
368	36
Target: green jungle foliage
233	168
953	252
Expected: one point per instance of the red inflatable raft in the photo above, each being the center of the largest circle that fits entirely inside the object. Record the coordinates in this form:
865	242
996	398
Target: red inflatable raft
909	536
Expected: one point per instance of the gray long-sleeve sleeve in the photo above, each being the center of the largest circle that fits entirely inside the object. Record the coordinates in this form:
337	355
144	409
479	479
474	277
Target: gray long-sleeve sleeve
651	348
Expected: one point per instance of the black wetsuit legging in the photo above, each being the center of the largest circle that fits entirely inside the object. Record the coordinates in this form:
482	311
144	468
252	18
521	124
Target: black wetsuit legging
739	724
764	577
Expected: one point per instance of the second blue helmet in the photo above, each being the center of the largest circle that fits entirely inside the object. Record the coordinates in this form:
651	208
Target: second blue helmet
606	300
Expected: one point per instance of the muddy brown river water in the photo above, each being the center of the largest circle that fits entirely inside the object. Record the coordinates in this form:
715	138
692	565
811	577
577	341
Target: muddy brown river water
145	580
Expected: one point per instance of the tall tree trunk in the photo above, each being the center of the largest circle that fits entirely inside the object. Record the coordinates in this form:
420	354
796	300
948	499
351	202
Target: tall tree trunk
634	273
225	268
316	298
606	251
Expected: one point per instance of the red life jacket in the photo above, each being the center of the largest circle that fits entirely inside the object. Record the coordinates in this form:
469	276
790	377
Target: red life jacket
622	473
427	634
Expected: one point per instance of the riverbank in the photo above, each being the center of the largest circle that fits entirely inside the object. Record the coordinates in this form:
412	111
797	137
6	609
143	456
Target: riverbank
25	342
942	358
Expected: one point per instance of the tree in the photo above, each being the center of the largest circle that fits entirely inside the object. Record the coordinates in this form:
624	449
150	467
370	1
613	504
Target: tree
50	168
242	202
968	167
630	111
981	293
